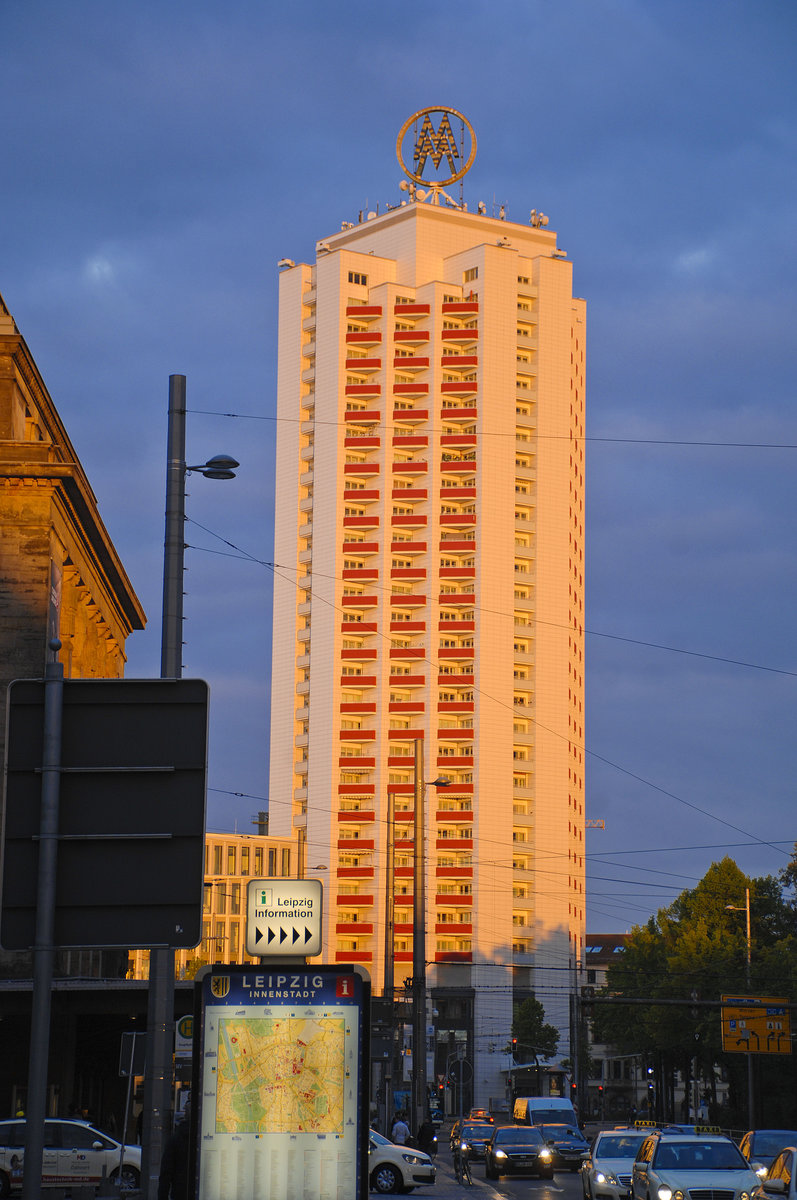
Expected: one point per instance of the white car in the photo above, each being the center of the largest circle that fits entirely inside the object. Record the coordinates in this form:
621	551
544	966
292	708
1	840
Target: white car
606	1174
393	1168
75	1153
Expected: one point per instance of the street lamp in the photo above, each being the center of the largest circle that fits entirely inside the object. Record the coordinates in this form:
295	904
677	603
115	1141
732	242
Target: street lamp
750	1090
160	1007
419	1098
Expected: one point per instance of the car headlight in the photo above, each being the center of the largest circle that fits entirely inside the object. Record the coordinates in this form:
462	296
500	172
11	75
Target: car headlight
664	1192
545	1153
607	1177
414	1159
500	1154
761	1171
744	1196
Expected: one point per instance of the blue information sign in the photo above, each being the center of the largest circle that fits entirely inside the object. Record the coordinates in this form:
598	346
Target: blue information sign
280	1090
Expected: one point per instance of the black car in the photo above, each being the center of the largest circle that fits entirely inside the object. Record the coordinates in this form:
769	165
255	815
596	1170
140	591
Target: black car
570	1147
517	1150
475	1136
761	1146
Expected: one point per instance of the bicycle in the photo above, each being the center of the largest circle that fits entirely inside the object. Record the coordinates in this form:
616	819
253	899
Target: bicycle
461	1165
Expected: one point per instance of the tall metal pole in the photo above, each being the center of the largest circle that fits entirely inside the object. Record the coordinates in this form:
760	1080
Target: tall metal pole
750	1087
390	922
418	1107
160	1009
43	952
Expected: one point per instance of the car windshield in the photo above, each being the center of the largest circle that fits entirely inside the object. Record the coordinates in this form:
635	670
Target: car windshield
380	1141
518	1136
619	1145
558	1132
700	1156
477	1131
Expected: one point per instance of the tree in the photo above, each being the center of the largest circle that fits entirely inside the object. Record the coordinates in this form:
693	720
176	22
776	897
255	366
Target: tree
534	1035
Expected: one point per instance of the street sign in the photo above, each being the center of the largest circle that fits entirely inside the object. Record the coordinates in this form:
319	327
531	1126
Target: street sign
756	1025
281	1082
283	917
131	848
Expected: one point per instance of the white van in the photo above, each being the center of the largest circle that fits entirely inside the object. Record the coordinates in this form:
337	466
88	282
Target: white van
543	1110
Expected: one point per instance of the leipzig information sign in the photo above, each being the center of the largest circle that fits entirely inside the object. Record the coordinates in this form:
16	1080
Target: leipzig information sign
756	1025
283	917
281	1074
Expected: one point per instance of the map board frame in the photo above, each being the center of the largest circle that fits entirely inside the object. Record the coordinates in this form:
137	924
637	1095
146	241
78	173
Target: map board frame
300	1034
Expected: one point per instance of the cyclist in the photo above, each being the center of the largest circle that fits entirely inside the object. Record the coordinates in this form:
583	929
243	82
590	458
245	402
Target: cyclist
461	1164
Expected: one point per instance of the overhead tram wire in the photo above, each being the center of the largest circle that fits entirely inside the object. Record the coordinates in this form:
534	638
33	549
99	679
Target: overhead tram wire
276	568
623	441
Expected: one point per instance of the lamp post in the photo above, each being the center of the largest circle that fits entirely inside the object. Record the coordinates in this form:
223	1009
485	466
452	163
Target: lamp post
160	1006
750	1090
419	1098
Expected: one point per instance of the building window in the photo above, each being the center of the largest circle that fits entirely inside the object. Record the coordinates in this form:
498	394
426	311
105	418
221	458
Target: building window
217	860
286	862
471	273
272	862
235	898
359	278
244	860
231	857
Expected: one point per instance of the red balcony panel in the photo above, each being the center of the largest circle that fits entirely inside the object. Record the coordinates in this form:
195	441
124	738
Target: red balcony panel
364	311
410	414
360	900
358	627
455	706
412	363
364	468
358	681
360	495
351	760
404	873
398	760
404	927
357	735
356	789
354	844
460	306
409	520
464	413
461	679
360	572
411	601
403	336
456	626
459	335
458	386
455	928
411	389
457	544
411	310
356	815
361	416
458	439
453	572
459	360
404	956
406	706
454	817
353	927
409	468
363	389
360	547
354	956
404	735
357	522
411	439
453	872
361	443
457	519
409	494
355	872
454	493
458	466
360	653
407	680
363	337
358	706
407	652
459	843
453	956
443	900
407	626
363	364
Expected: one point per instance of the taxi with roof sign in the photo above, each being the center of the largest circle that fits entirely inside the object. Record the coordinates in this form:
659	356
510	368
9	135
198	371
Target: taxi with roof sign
671	1165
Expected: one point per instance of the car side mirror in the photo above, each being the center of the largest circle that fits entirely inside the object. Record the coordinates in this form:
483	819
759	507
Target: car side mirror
96	1145
775	1187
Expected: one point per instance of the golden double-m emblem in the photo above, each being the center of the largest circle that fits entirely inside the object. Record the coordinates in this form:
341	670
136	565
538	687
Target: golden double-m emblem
434	139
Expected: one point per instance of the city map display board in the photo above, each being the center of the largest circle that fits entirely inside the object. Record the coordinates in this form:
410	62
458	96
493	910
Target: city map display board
280	1094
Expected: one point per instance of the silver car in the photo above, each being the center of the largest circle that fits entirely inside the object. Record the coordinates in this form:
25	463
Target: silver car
75	1153
606	1173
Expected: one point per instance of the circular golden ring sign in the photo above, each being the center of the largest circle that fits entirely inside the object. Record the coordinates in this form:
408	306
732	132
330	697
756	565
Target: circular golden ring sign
436	144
